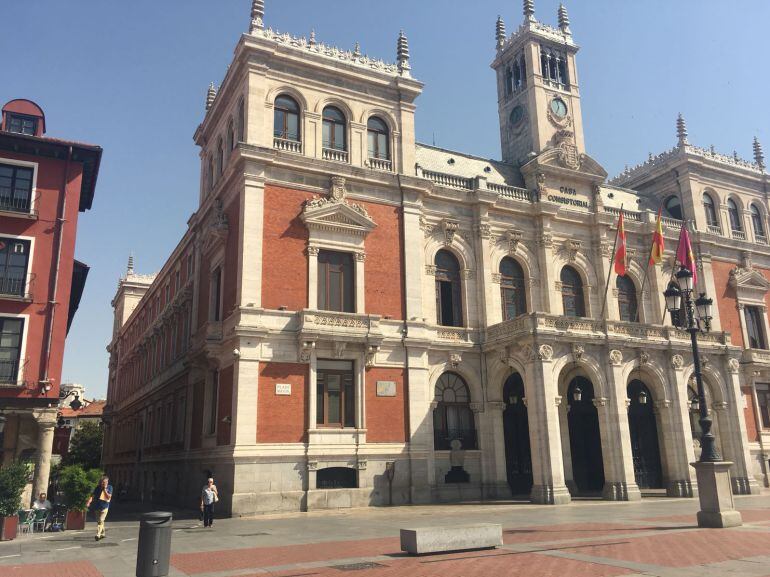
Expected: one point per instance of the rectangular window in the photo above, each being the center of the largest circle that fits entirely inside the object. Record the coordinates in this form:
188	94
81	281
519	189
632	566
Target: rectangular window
763	400
15	188
181	418
335	281
14	260
335	394
213	403
215	295
22	124
755	327
11	333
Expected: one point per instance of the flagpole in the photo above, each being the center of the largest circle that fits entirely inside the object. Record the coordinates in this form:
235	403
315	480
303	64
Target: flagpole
609	272
647	267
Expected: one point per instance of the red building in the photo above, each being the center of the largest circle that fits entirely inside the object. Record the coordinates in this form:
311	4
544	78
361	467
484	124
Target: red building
44	184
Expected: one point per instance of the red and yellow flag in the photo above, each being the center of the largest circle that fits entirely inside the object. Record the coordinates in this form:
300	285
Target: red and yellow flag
685	254
620	253
658	242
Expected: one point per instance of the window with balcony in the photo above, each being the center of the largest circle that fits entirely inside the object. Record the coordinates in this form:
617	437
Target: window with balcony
758	224
336	290
572	297
286	120
11	333
755	327
710	210
21	124
15	188
763	400
512	289
335	394
215	295
736	224
378	145
14	262
334	134
627	304
452	417
449	311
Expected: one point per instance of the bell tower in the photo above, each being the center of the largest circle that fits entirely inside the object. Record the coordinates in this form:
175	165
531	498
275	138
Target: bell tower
537	88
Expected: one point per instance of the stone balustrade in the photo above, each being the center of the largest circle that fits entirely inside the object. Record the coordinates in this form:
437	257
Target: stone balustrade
335	155
286	145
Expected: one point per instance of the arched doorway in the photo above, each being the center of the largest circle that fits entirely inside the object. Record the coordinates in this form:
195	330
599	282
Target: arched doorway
584	438
644	437
518	459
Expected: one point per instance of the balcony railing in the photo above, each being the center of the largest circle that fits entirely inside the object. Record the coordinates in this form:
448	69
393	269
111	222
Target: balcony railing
17	287
715	229
335	155
287	145
380	164
760	238
739	235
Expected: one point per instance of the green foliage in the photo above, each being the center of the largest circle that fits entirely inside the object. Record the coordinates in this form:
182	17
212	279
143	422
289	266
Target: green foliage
13	479
86	446
77	484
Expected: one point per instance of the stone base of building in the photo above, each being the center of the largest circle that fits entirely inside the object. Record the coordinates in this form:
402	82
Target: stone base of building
550	495
621	491
682	488
745	486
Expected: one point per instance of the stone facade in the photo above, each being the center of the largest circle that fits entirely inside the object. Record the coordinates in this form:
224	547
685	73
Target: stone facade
469	352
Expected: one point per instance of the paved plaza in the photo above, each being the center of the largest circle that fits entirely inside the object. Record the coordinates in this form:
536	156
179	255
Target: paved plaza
657	537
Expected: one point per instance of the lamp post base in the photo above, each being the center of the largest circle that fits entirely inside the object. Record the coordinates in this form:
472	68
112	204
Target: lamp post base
716	496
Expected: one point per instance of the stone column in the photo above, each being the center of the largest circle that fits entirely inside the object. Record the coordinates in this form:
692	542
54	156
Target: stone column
422	469
497	482
46	421
544	437
620	483
678	437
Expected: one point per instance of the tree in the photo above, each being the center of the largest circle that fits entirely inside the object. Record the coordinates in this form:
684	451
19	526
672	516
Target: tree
86	446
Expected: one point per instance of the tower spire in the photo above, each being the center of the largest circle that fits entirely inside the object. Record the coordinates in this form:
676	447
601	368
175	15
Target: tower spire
130	267
211	95
564	20
759	156
257	15
681	130
529	10
500	31
402	54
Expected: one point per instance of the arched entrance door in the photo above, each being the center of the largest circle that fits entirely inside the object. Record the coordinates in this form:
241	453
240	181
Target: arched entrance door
644	437
518	459
584	438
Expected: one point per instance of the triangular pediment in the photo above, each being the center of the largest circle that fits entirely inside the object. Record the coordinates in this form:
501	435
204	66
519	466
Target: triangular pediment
748	279
342	216
566	159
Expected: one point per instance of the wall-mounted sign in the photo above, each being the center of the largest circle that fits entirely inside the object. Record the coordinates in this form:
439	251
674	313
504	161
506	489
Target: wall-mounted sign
386	389
566	196
283	389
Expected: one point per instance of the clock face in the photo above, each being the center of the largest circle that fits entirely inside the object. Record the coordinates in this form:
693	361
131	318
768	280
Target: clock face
517	115
559	108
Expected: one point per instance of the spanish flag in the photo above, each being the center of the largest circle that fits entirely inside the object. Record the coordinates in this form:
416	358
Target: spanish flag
620	253
658	242
685	254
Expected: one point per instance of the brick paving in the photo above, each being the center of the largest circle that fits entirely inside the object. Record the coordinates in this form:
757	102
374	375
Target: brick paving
68	569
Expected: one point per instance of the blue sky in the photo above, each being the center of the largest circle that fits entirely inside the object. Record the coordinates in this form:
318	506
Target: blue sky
132	77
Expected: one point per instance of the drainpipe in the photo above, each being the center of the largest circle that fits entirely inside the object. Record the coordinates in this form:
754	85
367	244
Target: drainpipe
54	284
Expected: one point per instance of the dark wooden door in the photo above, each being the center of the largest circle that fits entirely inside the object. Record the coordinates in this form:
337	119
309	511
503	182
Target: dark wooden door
518	458
644	437
584	437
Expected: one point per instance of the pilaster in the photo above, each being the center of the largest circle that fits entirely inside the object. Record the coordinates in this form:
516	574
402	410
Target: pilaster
743	481
678	439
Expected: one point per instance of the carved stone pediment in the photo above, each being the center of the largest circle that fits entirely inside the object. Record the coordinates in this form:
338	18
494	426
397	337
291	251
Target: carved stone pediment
563	156
749	280
336	214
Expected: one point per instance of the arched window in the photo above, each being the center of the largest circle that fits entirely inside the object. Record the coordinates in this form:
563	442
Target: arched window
452	417
711	213
756	222
220	157
241	121
512	289
286	118
230	135
626	299
572	293
377	134
449	310
673	207
735	215
210	174
334	129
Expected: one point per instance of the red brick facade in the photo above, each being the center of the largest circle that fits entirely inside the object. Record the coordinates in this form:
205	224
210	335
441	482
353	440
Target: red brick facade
386	416
282	418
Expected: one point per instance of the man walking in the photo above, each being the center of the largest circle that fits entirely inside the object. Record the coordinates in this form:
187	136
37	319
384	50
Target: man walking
101	498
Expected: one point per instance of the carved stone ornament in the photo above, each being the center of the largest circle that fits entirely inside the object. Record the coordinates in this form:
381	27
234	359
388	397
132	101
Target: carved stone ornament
455	359
362	464
572	247
449	228
600	402
644	358
568	152
677	361
733	365
483	230
306	351
496	277
616	357
545	352
476	407
512	238
578	351
430	269
313	250
312	465
217	228
541	190
334	212
339	349
545	240
371	354
338	191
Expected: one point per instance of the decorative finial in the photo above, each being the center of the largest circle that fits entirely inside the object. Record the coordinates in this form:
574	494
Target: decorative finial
681	130
402	53
736	158
211	95
529	10
500	31
130	268
564	20
312	37
759	156
357	50
712	150
257	15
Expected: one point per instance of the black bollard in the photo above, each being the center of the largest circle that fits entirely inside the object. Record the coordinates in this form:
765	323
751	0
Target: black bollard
154	548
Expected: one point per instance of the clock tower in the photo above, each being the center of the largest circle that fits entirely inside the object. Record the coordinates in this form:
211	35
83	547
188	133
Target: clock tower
538	93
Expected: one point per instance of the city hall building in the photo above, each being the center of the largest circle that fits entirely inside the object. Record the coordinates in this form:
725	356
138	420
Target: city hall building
353	318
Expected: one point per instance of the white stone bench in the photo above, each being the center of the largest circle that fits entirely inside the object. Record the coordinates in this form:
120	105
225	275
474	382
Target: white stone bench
452	538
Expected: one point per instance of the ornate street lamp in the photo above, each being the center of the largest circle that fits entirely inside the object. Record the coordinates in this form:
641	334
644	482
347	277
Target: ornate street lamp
696	318
577	394
642	398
